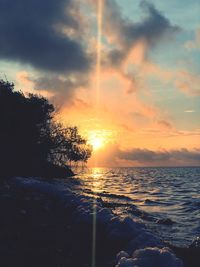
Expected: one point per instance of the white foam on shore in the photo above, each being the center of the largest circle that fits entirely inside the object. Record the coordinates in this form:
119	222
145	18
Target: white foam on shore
149	257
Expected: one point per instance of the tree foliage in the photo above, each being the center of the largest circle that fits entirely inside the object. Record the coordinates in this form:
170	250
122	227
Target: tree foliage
29	136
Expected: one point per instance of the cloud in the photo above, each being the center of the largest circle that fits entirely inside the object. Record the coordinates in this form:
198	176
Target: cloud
154	28
130	43
188	82
63	89
58	88
189	111
171	157
194	44
31	32
164	124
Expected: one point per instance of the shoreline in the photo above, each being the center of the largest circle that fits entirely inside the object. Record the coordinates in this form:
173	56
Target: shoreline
40	218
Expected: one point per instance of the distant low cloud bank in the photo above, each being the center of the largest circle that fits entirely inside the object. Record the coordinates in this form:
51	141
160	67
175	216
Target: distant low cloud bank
165	157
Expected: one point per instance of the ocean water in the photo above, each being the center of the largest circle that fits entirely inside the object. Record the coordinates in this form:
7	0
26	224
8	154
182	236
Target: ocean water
167	200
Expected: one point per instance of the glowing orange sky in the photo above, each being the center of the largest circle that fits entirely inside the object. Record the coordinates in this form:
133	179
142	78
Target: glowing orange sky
146	98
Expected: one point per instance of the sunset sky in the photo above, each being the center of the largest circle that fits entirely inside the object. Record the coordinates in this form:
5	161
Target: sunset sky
140	105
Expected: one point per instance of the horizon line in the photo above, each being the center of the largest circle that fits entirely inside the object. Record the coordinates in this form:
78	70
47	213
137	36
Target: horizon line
184	166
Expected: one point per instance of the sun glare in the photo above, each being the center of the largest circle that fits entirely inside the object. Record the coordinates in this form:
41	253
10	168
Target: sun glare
98	138
96	142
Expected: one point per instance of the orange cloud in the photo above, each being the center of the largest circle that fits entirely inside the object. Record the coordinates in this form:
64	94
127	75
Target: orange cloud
188	83
23	78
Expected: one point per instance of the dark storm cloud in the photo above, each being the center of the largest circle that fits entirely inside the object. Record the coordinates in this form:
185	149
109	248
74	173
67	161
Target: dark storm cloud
152	29
28	34
149	156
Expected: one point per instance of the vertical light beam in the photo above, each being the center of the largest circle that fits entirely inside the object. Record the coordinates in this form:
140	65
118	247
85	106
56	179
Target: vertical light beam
98	85
98	52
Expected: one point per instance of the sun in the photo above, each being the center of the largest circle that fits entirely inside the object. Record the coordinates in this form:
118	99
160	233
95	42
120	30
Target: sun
96	142
97	139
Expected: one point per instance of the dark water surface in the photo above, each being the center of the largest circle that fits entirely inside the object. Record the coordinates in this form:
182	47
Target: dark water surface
167	200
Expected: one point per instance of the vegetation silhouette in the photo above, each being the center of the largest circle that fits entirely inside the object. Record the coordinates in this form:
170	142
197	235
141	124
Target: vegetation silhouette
31	141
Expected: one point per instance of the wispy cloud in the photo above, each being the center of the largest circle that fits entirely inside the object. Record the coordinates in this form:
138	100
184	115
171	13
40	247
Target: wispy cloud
189	111
194	44
188	82
126	34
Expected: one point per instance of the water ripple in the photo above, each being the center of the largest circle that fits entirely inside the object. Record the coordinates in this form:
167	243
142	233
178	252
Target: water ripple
167	199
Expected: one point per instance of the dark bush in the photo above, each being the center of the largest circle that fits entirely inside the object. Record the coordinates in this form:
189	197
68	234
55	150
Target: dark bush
31	142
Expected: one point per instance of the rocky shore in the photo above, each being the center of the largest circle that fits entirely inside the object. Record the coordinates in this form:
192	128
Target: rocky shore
46	225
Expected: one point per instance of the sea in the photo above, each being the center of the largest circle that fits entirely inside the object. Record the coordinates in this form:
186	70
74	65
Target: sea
166	200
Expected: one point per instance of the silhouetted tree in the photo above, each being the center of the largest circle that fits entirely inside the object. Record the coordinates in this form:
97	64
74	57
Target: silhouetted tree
67	145
30	139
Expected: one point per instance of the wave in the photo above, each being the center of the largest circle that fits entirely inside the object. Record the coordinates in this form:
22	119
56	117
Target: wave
117	233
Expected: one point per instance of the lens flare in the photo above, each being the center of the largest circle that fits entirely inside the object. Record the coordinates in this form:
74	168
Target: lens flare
97	141
98	52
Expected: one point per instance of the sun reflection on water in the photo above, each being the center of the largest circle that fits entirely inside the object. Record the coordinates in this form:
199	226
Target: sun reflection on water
97	179
96	186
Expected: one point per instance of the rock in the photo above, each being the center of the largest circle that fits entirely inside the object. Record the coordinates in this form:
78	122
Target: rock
195	243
